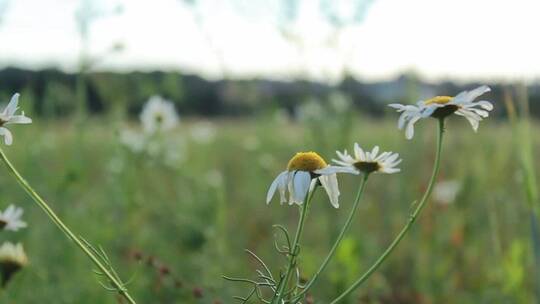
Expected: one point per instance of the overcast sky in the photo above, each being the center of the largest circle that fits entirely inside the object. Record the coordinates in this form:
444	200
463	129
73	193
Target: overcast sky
460	39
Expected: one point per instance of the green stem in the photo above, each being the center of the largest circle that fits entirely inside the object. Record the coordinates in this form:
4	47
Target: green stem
338	240
52	215
407	226
294	250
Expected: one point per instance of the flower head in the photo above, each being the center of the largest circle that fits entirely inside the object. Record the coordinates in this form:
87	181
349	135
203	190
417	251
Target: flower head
440	107
304	171
10	219
159	115
445	192
12	259
367	162
8	117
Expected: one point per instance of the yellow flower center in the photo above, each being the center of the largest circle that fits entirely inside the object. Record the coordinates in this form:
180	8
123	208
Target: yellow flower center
438	99
306	161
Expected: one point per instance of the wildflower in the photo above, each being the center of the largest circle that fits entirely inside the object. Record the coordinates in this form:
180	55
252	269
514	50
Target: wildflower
445	192
304	171
310	111
12	259
10	219
158	115
367	162
440	107
132	140
8	117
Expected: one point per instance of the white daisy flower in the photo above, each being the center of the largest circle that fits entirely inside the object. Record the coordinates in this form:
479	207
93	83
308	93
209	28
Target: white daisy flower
158	115
10	219
8	117
132	140
12	259
462	104
445	192
303	173
367	162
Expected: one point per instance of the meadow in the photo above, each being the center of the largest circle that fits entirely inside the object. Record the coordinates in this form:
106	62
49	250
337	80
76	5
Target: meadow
176	218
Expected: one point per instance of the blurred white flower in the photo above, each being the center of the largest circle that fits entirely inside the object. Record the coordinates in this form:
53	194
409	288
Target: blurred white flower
303	172
8	117
311	110
367	162
445	192
158	115
12	259
134	141
462	104
203	132
10	219
339	102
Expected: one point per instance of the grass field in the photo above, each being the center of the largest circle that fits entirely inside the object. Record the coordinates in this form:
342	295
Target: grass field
175	219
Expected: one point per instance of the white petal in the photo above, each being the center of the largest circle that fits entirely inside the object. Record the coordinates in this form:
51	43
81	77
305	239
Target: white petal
8	138
374	152
336	169
473	119
469	96
300	186
409	132
19	119
397	106
330	185
12	105
484	104
402	120
278	181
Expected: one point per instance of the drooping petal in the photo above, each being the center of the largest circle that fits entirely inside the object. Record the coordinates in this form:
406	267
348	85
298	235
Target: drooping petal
278	181
8	138
473	119
330	185
409	131
300	187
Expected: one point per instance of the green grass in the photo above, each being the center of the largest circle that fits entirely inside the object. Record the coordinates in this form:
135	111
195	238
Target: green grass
196	216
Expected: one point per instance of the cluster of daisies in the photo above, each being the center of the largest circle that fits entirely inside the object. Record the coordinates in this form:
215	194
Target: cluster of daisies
306	170
158	118
12	256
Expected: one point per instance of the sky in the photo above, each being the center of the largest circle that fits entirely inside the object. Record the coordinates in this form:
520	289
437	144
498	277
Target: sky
456	39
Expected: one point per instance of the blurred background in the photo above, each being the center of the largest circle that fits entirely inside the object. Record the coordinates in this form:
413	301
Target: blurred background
252	82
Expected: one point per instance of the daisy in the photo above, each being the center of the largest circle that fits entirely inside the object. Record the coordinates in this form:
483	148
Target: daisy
10	219
442	106
12	259
303	173
367	162
8	117
158	114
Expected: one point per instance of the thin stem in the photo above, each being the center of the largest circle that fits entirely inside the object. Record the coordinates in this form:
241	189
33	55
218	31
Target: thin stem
52	215
407	226
293	250
339	238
